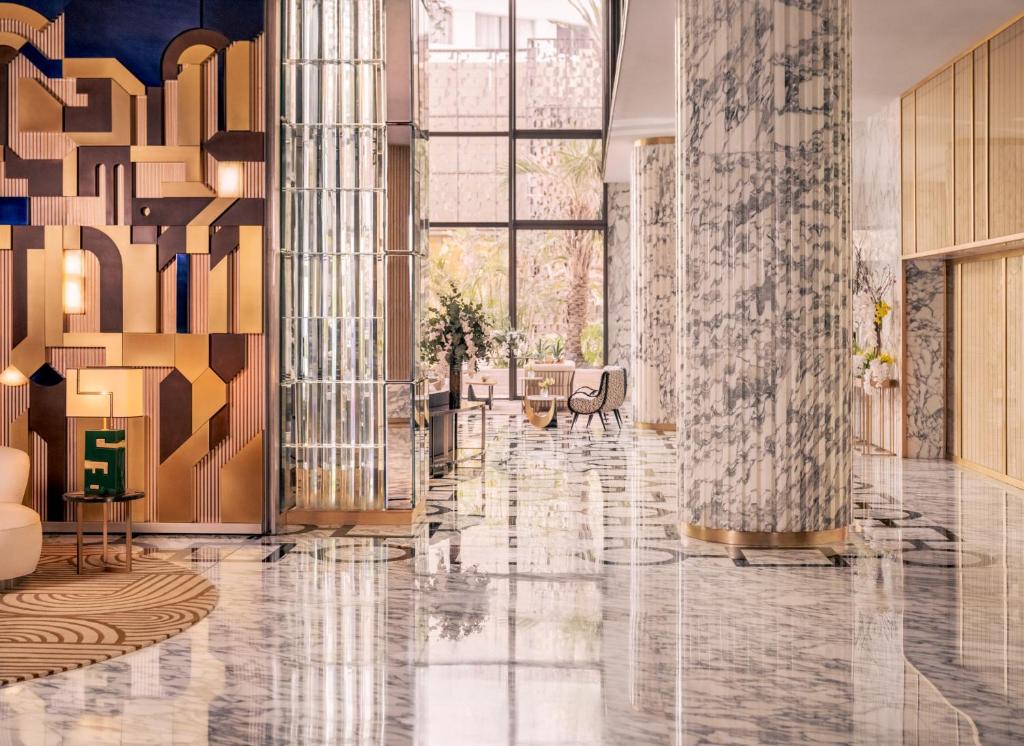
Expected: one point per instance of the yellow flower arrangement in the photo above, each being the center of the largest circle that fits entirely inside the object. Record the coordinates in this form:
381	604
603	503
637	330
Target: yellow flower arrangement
881	311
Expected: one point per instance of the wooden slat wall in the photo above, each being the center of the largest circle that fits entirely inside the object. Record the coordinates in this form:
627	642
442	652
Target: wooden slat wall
934	172
1015	367
983	364
963	149
980	91
1006	128
908	166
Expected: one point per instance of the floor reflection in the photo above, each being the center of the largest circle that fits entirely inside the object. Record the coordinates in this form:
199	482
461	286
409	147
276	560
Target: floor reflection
550	599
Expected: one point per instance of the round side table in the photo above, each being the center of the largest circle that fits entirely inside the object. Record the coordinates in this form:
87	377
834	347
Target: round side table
79	499
545	414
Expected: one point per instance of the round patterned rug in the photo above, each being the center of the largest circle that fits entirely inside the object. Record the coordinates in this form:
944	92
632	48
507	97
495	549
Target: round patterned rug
56	620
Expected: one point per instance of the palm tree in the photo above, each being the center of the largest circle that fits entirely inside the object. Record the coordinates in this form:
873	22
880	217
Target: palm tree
574	172
590	12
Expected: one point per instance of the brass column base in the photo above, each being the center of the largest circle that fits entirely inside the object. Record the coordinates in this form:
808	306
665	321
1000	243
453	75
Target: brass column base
767	539
660	427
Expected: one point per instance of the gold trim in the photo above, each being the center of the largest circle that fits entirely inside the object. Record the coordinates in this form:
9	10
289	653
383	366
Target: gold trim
768	539
983	250
985	471
337	518
658	427
663	140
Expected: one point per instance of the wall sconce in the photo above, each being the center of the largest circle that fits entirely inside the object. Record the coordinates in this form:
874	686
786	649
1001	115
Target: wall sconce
12	377
74	281
229	179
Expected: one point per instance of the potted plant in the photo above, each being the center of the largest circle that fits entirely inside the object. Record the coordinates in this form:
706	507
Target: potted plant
509	344
457	332
875	369
557	347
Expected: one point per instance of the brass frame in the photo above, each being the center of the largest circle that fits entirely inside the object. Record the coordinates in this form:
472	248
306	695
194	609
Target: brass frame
272	474
337	518
156	527
662	140
765	539
658	427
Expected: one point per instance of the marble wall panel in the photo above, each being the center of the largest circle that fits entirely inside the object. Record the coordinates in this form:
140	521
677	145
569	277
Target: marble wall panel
925	366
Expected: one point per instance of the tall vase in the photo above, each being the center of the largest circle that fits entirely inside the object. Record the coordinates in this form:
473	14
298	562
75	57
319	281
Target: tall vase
455	386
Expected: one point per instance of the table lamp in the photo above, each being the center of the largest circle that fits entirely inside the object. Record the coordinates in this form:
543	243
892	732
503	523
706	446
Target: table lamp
106	392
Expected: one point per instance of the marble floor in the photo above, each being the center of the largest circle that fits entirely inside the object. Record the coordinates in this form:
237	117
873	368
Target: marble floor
550	600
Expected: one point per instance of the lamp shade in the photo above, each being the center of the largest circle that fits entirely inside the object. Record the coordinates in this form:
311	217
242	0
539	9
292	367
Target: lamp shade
12	377
230	178
74	282
105	392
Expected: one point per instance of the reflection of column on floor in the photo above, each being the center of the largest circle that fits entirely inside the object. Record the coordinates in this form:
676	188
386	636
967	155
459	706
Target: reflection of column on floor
642	649
764	313
878	663
653	261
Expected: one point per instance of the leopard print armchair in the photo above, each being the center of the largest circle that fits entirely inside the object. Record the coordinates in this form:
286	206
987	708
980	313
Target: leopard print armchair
588	401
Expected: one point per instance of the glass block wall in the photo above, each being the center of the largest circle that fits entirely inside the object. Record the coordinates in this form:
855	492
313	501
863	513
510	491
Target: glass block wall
334	418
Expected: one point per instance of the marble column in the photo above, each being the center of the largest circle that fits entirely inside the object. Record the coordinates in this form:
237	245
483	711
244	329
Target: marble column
764	309
619	277
652	375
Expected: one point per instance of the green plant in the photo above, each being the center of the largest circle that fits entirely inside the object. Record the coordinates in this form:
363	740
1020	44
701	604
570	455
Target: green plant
476	261
508	343
556	344
593	343
456	331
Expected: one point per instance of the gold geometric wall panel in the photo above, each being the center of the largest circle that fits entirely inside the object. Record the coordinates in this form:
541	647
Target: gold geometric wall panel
38	110
150	169
241	480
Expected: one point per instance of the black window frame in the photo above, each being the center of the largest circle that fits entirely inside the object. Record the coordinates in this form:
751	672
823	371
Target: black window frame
513	223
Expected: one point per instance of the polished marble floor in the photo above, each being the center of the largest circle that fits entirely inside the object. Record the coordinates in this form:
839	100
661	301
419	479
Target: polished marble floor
550	600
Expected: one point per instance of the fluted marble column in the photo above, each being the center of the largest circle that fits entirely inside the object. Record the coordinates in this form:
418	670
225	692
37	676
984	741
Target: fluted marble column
764	318
653	302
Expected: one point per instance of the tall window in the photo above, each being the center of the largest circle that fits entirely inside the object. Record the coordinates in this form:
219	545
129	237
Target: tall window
517	201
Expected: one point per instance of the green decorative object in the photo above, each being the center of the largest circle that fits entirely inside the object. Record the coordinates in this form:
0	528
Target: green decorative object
105	452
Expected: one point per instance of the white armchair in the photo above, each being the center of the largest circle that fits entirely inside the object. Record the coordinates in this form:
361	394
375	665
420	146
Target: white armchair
21	533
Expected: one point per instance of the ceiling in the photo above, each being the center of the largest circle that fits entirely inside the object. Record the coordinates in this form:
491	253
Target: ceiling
898	42
895	44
